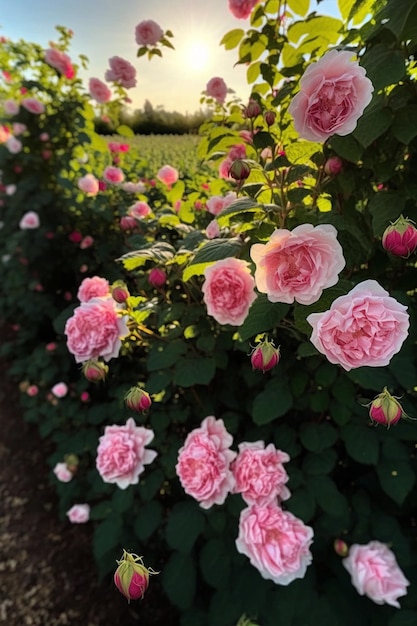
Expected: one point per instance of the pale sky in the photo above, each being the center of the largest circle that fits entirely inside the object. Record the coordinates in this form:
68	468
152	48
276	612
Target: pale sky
105	28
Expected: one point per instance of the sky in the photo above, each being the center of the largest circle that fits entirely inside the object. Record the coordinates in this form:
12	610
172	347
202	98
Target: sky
105	28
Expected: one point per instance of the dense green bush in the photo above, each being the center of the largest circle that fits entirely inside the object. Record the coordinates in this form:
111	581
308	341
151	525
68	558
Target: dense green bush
351	481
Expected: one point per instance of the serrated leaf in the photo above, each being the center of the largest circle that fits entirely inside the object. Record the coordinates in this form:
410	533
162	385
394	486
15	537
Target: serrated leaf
385	207
383	66
214	250
263	315
232	39
185	523
361	443
317	437
160	252
396	478
404	127
273	402
147	519
198	371
372	125
215	563
179	568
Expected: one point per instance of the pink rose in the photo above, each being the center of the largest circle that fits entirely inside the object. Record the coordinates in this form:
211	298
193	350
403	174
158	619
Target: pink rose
99	90
276	542
32	390
204	463
13	145
60	61
215	204
333	94
139	210
131	187
121	454
216	88
88	184
157	277
212	230
19	129
86	242
167	175
29	221
228	291
375	573
259	474
11	107
122	72
366	327
94	287
127	222
63	474
148	33
298	264
33	106
60	390
242	8
5	133
95	330
79	514
113	175
224	168
237	152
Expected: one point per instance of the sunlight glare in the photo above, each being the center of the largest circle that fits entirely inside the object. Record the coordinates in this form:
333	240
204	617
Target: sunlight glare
198	55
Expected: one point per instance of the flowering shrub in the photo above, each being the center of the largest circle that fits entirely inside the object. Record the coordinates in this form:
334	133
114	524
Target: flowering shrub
248	348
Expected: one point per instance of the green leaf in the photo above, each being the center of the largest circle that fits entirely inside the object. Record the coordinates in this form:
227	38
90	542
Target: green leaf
273	402
317	437
232	39
301	311
397	15
242	206
163	355
150	484
125	131
361	443
396	478
159	251
328	496
302	151
383	66
147	519
346	147
385	207
300	7
106	539
263	315
403	127
215	563
185	523
198	371
375	378
177	571
319	463
302	504
372	125
405	617
214	250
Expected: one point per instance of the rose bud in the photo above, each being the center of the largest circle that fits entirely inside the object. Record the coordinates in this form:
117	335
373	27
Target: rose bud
132	577
252	110
333	166
340	547
157	277
239	170
119	292
137	399
385	409
269	117
400	238
94	370
265	356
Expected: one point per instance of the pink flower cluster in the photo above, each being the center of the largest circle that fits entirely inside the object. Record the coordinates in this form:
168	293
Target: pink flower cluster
121	72
60	61
121	454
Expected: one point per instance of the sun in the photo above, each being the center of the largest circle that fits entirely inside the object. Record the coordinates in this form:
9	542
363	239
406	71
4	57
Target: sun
198	55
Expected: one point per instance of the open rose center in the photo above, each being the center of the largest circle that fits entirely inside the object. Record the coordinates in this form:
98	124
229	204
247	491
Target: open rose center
330	107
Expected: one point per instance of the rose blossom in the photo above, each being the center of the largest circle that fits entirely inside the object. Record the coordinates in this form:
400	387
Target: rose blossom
88	184
366	327
228	291
113	175
121	454
94	287
212	230
215	204
375	573
276	542
298	264
33	106
13	145
62	472
139	210
19	129
79	513
60	390
167	175
148	33
237	152
242	8
204	463
216	88
95	330
122	72
5	133
60	61
131	187
99	91
224	168
29	221
86	242
259	474
11	107
157	277
333	94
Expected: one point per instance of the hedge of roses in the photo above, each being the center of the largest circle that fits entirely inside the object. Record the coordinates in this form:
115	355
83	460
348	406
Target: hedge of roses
225	363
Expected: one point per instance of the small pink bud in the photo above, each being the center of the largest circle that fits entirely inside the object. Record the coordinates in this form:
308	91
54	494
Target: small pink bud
400	238
86	242
265	356
85	396
132	576
269	117
333	166
94	370
60	390
127	222
340	547
32	390
385	409
51	346
252	110
137	399
120	292
239	170
157	277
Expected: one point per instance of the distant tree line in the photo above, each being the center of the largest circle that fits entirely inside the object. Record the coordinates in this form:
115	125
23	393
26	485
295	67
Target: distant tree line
155	121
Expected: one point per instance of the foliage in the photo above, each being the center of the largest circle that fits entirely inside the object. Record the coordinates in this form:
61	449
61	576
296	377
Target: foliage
349	480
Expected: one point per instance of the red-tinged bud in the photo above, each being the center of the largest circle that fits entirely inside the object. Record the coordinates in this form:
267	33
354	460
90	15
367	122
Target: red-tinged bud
72	462
252	110
400	238
385	409
94	370
340	547
120	292
157	277
265	356
132	576
137	399
239	170
333	166
269	117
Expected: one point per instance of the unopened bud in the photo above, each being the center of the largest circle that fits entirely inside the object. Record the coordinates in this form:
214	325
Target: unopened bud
132	576
340	547
265	356
119	292
252	110
157	277
94	370
72	462
333	166
385	409
400	238
137	399
269	117
239	170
